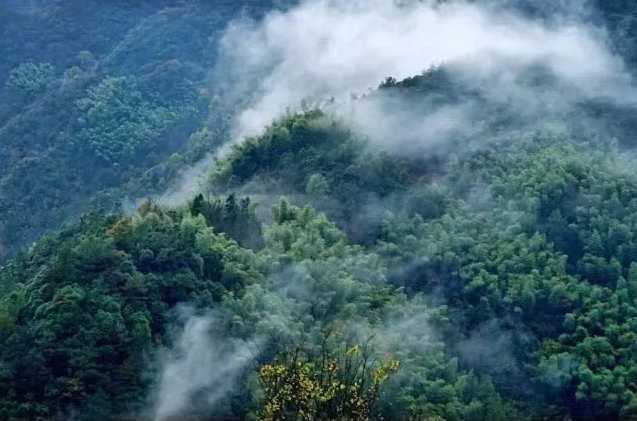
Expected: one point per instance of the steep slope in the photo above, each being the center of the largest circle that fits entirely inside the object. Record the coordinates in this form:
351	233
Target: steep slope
97	94
457	245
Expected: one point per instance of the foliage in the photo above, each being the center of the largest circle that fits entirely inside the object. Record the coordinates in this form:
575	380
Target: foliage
545	249
341	386
124	113
502	276
237	219
30	78
117	123
76	332
316	154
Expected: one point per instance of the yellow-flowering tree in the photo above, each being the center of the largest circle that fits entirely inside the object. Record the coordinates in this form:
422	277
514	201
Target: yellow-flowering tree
338	385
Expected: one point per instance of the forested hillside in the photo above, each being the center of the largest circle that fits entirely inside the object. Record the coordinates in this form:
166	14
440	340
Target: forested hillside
455	242
99	103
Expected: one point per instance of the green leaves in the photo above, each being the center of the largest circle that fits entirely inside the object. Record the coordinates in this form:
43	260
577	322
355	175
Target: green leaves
91	312
30	78
118	123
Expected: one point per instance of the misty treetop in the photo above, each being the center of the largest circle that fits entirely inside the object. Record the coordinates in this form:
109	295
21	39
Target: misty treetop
493	306
282	210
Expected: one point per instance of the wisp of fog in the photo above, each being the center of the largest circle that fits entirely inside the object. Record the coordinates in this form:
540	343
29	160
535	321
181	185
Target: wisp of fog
324	48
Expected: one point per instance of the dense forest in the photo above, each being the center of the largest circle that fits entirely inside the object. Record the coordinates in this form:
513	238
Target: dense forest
102	102
318	210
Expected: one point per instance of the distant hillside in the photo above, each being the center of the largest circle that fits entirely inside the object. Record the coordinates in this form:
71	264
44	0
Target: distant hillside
95	95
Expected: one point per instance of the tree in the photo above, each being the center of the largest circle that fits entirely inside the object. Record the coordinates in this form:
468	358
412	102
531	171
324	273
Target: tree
30	78
340	385
118	121
317	185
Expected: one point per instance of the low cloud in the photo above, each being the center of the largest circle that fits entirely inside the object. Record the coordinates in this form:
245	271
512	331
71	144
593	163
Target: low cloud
201	369
323	50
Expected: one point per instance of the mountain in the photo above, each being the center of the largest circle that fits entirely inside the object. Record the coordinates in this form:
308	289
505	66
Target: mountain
100	101
455	242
